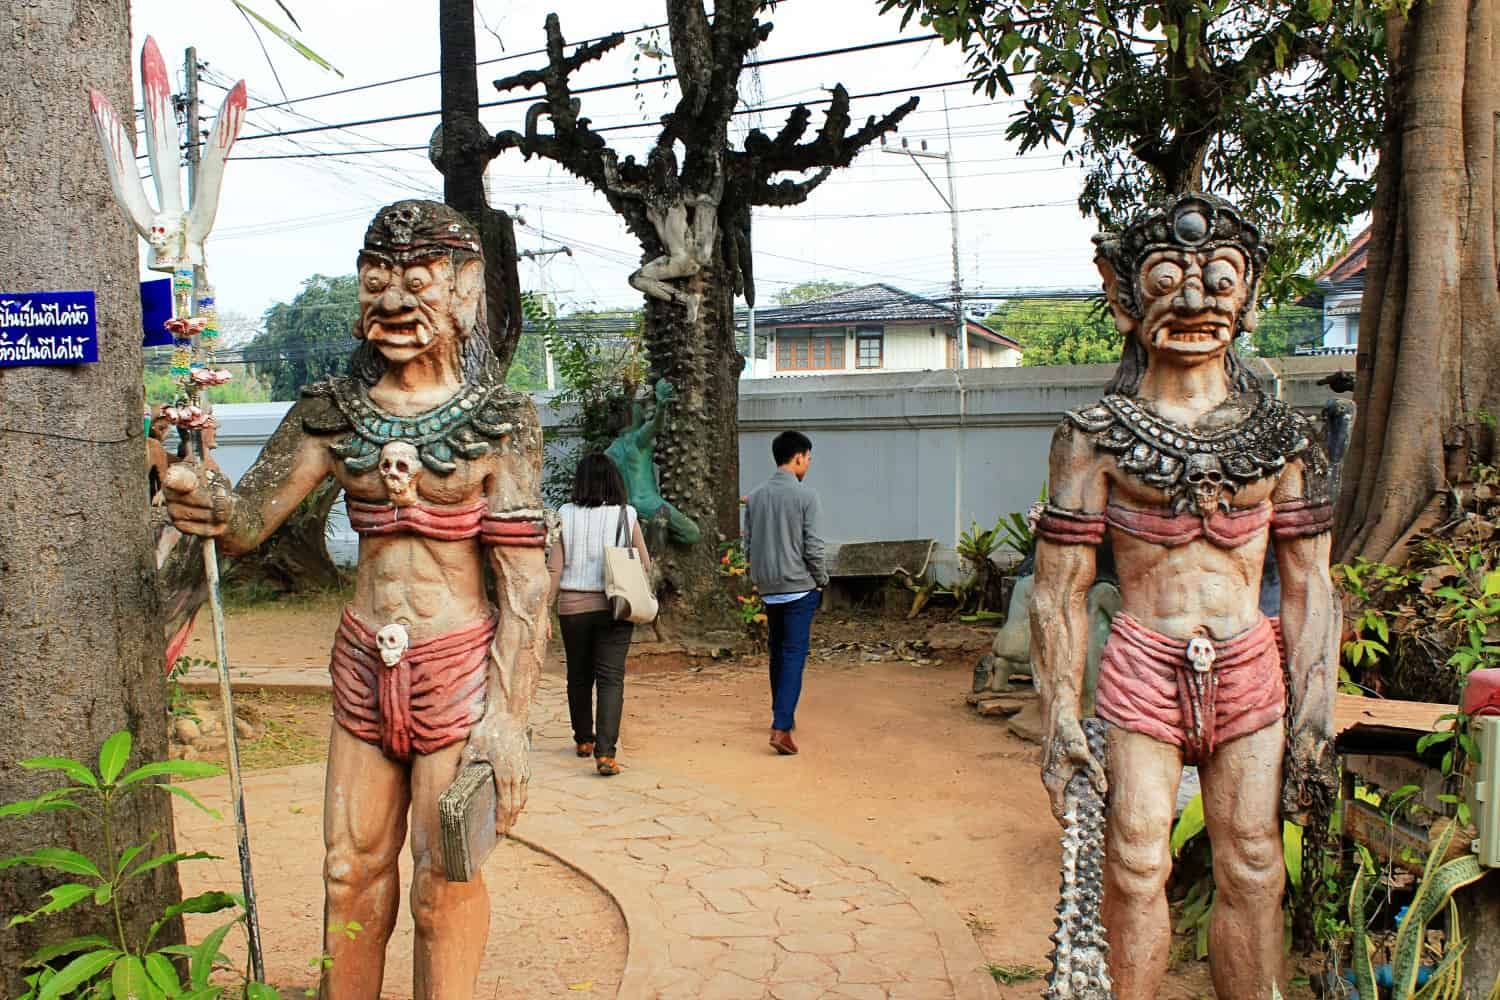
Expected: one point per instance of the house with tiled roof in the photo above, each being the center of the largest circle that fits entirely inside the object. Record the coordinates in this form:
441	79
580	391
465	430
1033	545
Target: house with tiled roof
1339	288
874	328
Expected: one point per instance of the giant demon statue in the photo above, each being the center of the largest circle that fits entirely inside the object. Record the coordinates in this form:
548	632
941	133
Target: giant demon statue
1192	471
440	464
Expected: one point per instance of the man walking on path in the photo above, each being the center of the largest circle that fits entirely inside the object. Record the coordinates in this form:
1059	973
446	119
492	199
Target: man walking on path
786	565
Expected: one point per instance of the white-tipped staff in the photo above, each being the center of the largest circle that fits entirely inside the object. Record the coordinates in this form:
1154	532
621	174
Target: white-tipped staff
176	240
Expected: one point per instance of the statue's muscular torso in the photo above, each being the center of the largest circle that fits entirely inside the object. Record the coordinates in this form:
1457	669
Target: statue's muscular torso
430	585
1176	590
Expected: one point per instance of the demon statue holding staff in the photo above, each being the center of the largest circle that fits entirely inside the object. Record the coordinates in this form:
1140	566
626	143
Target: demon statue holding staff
1192	471
441	466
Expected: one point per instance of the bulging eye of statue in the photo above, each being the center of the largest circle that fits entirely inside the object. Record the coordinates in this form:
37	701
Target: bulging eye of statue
375	281
1163	277
1220	277
417	280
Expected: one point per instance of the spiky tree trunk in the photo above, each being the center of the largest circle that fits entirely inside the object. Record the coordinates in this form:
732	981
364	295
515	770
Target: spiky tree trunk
1429	372
78	609
691	281
698	450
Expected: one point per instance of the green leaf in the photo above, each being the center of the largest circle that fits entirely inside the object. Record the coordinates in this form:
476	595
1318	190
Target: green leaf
163	974
183	793
295	45
77	972
207	902
56	858
71	946
129	855
1291	852
260	991
1346	67
170	857
1188	825
80	774
130	982
47	802
206	952
103	894
188	770
1492	583
113	755
1009	43
59	898
1320	9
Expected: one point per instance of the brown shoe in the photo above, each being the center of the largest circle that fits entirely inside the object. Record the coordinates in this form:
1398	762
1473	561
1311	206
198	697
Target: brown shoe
606	766
584	749
782	743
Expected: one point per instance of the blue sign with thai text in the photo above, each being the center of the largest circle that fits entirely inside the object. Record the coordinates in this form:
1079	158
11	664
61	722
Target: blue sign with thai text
48	328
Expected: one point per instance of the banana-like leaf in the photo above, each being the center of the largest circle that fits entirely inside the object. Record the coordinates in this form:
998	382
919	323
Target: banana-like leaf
1365	883
281	33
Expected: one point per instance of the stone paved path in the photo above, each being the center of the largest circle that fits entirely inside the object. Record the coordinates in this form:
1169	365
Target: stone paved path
721	900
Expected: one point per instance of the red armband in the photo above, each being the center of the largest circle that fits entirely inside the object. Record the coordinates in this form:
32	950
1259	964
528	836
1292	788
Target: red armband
1299	518
521	529
1070	527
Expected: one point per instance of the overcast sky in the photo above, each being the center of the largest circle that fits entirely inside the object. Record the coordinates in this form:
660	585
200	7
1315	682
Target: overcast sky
281	220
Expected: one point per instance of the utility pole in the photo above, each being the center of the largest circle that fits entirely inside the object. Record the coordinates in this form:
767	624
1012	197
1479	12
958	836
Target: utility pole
547	303
961	331
194	151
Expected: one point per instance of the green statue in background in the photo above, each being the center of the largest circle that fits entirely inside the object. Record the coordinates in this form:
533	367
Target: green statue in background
632	453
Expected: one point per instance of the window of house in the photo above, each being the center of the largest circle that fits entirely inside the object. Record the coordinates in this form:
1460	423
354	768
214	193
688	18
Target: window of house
869	347
805	351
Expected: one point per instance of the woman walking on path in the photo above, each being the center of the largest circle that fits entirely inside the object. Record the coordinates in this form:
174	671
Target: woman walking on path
595	643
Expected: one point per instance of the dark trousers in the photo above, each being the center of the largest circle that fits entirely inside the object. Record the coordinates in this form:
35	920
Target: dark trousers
596	645
790	629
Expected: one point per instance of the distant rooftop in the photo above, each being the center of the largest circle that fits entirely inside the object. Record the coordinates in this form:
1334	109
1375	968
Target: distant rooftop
877	303
1350	265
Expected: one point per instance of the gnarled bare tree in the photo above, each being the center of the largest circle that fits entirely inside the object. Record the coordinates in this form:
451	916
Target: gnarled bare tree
1429	373
692	218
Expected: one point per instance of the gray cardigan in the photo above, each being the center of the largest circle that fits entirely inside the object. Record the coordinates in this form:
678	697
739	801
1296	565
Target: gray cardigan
781	536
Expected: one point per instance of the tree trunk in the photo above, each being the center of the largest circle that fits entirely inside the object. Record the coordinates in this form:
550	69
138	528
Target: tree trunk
295	559
1429	373
697	451
78	607
462	158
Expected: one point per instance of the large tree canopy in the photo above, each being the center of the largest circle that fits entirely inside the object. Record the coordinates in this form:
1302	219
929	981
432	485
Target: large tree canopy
809	290
1275	105
308	338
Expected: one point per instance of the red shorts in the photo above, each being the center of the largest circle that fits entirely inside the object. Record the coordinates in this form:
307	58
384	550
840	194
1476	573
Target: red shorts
1147	685
429	700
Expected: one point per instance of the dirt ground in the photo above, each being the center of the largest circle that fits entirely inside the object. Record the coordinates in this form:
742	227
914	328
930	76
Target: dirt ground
892	758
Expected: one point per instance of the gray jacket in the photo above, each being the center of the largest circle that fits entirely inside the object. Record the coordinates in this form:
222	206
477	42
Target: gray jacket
781	536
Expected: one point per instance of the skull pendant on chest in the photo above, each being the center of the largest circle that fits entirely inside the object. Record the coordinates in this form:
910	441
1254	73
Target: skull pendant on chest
400	469
1205	479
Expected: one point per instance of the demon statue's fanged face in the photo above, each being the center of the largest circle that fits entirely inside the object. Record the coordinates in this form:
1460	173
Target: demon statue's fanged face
421	280
1181	279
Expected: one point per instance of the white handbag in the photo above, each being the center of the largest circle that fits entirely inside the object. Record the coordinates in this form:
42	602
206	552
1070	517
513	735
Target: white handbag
625	582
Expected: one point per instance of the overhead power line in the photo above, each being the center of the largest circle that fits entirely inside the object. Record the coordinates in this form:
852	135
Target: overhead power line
608	128
598	88
433	72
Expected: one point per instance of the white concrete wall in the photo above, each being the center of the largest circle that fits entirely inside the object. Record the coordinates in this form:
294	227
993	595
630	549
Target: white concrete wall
895	455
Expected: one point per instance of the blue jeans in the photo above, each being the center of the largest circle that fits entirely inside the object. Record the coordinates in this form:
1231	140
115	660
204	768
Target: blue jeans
790	628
